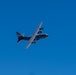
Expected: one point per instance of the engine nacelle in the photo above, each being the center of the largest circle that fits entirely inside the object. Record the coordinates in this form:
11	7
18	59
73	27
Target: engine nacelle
33	42
41	29
39	32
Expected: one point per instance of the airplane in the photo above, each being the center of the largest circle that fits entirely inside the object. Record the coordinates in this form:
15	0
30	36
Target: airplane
37	35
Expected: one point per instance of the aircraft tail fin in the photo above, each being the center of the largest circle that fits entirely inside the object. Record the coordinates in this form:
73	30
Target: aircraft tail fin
19	36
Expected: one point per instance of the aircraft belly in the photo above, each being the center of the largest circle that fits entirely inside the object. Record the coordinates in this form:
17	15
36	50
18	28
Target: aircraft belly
26	38
39	37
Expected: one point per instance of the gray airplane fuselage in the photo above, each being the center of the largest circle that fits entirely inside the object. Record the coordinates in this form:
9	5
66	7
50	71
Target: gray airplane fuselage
38	37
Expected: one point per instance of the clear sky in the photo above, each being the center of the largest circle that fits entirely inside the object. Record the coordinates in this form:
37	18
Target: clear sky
55	55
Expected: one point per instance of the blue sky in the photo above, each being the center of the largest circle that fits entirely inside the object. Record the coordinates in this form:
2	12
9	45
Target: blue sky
55	55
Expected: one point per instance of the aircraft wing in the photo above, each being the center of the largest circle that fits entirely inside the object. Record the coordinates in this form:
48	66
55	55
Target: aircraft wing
34	35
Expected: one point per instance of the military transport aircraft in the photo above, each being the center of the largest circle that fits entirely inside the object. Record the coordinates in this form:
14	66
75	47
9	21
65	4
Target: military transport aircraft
37	35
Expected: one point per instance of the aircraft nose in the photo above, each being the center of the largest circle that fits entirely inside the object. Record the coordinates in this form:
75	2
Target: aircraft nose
46	35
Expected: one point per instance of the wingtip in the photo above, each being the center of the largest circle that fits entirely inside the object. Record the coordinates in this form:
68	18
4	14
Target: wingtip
41	22
26	48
